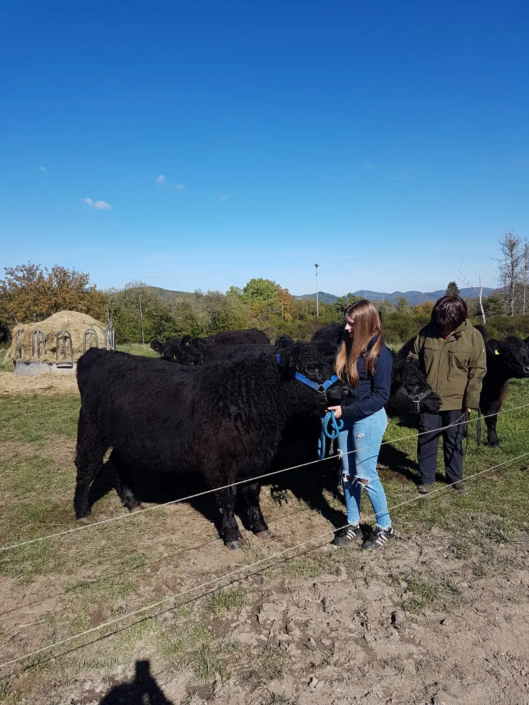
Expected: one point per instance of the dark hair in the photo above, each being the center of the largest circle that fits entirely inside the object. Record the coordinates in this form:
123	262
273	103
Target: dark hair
449	313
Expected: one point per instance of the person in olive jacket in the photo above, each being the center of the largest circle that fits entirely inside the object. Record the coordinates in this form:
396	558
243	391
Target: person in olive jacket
452	354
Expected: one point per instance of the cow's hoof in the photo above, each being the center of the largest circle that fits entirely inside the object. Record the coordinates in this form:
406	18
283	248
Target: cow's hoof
84	521
137	508
233	545
266	534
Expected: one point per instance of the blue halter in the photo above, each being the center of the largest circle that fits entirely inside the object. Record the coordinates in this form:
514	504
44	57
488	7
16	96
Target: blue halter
322	388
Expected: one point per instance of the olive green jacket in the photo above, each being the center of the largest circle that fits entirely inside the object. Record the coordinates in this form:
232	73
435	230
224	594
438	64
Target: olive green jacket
454	367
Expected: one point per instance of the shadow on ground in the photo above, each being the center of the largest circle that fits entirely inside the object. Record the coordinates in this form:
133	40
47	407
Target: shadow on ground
143	690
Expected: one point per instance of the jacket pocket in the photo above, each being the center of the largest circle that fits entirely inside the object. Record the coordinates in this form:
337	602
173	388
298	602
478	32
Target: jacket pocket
458	363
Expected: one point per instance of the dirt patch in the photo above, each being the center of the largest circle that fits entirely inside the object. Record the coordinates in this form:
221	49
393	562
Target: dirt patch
48	384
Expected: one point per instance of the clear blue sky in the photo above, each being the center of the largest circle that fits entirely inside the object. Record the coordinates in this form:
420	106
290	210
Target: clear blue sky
387	141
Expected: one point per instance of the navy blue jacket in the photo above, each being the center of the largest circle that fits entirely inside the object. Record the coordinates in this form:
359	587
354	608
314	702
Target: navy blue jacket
371	393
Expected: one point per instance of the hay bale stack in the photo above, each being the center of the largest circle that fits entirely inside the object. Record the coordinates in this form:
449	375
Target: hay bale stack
72	321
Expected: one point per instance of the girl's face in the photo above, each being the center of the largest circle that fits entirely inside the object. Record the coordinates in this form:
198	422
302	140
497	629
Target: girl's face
349	325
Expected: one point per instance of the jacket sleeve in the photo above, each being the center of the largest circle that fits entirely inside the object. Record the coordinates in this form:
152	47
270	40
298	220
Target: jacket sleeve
360	407
416	347
477	370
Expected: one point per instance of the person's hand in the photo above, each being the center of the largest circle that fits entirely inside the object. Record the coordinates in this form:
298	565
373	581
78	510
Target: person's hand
470	411
337	411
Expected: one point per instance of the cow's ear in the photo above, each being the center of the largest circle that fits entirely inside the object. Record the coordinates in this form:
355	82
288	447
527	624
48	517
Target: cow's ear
186	340
496	347
283	343
287	357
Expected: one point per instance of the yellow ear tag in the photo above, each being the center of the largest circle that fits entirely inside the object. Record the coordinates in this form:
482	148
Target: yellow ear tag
496	352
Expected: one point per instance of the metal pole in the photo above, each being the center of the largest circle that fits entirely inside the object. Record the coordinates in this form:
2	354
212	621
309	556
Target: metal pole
317	296
141	322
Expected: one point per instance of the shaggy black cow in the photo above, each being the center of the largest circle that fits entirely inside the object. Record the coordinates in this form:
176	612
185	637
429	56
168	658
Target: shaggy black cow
251	336
223	420
173	350
506	359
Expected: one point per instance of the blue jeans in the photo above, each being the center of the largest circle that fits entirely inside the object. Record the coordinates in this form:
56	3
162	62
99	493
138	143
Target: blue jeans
360	468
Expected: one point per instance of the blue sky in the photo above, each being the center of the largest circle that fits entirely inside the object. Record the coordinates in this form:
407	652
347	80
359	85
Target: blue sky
387	141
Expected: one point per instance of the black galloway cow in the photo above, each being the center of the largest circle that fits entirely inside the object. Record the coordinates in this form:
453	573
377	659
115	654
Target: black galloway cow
506	359
174	351
222	420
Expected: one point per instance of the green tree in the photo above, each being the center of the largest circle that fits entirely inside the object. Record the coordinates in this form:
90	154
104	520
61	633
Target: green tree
342	302
452	289
154	315
494	305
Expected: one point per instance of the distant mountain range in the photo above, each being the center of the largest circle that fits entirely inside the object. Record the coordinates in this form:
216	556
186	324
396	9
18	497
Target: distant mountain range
414	297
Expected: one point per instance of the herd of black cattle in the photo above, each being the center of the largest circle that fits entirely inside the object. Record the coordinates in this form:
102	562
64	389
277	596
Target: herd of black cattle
232	407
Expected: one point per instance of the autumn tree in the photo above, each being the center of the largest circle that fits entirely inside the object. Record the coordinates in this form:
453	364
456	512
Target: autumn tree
30	293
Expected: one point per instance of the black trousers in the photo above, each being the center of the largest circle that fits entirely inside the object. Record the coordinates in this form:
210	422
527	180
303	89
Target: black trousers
452	445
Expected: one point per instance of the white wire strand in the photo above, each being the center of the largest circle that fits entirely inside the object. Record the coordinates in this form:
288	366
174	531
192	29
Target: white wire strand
240	570
239	482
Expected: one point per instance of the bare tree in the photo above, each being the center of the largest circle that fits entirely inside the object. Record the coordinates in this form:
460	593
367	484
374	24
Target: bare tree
510	267
525	268
478	291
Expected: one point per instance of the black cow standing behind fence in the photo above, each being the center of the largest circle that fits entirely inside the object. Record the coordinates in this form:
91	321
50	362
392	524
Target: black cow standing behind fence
222	421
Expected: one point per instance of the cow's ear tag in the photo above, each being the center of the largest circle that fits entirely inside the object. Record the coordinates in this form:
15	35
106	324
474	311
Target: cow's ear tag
496	352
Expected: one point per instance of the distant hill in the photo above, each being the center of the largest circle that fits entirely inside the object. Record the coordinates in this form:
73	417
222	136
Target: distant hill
414	297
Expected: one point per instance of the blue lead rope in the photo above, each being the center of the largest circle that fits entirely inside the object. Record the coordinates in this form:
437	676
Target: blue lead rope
330	428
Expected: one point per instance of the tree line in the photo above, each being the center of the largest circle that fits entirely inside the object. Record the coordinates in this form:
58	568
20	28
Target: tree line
140	313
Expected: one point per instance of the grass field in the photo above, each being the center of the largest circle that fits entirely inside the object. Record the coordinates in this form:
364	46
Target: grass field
55	589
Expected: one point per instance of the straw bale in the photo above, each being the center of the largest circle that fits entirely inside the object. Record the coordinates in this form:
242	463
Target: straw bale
72	321
47	384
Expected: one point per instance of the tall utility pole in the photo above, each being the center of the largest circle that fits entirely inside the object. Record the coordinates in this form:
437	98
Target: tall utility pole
141	322
317	297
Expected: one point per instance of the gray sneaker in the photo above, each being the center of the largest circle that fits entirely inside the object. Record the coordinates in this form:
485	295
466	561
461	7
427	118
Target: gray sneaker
460	487
424	489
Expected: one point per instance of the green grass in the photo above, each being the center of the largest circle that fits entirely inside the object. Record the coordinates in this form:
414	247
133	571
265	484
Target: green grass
137	349
226	600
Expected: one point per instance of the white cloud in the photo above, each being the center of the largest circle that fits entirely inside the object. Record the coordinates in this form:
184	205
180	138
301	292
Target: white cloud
98	205
224	197
180	187
42	168
369	166
160	180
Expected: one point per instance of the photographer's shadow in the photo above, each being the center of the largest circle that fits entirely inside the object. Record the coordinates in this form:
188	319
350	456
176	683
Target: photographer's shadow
143	690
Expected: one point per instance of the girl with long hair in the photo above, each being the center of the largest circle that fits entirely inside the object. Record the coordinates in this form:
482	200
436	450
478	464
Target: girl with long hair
365	362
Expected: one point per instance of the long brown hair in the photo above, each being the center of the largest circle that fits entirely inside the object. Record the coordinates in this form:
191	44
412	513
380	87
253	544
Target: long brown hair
366	321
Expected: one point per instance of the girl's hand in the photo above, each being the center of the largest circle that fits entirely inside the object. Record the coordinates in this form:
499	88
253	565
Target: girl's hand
337	411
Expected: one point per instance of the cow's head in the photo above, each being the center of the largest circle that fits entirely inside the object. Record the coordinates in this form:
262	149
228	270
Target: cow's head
303	360
414	395
510	355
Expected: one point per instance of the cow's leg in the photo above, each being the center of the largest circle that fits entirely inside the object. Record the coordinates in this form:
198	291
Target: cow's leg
91	447
123	483
492	437
230	530
256	520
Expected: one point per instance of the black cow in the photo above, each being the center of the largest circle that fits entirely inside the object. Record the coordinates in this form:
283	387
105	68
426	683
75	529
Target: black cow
222	421
506	359
173	350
